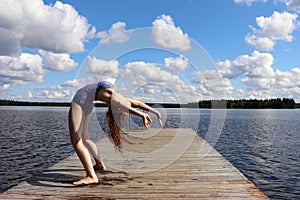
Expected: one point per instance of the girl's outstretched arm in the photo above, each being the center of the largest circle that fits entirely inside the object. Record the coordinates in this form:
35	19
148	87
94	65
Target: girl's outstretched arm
124	105
143	106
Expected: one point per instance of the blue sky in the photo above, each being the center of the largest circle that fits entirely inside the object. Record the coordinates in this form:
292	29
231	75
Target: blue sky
156	51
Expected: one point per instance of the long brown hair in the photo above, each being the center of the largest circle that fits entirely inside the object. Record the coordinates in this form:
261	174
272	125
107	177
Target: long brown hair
113	128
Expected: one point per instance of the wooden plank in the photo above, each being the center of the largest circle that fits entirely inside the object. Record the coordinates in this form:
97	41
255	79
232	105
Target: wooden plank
156	164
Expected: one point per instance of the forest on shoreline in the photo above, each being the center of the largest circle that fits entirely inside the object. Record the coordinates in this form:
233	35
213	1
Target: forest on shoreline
276	103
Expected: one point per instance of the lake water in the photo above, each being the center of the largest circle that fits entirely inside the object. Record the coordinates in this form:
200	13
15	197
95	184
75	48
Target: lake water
262	144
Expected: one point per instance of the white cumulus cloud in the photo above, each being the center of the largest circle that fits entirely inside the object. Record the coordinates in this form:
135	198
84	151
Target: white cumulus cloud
256	72
279	26
155	84
176	64
249	2
57	62
62	95
32	24
293	4
78	82
117	33
103	68
167	35
226	69
212	85
256	65
20	70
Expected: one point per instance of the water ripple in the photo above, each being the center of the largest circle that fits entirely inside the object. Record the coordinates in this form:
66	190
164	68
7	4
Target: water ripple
262	144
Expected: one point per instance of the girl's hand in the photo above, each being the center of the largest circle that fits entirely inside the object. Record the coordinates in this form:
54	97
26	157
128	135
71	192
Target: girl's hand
159	118
147	120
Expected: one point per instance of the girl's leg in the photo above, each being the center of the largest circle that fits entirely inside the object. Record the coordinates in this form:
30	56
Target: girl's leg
92	147
76	124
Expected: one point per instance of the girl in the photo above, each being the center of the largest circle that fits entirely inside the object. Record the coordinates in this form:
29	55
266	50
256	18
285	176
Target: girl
82	106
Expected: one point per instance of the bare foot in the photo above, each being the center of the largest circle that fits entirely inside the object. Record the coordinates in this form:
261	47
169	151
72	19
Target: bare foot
86	181
100	166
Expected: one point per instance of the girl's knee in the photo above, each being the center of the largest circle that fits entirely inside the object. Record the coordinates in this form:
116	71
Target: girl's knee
86	140
74	138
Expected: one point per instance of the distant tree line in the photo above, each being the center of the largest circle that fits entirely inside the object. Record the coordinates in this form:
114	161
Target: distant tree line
275	103
4	102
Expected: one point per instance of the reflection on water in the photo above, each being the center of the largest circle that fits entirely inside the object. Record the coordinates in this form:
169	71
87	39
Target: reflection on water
32	139
263	144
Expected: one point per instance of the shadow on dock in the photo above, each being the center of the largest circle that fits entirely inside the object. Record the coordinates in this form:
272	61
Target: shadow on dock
157	164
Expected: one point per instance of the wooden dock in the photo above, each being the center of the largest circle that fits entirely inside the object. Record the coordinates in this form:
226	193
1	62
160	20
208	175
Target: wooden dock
155	164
